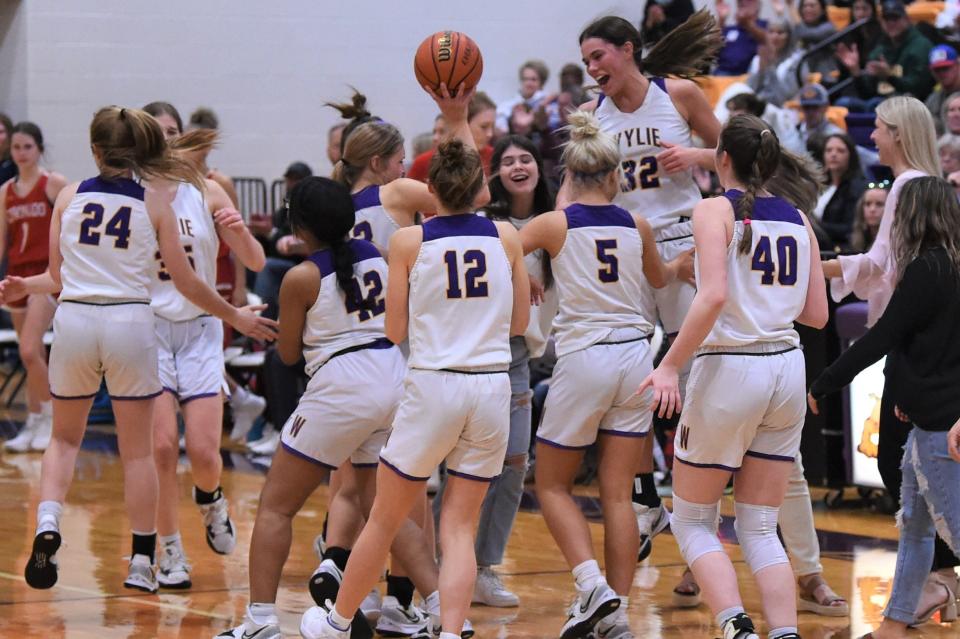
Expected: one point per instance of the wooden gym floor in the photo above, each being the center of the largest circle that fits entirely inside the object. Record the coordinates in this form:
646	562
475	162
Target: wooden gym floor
859	549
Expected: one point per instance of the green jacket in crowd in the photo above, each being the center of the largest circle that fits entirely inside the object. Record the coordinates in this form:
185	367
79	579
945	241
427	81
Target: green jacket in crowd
908	62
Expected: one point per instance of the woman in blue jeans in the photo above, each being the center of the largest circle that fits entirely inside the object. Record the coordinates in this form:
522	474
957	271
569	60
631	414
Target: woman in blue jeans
519	191
920	328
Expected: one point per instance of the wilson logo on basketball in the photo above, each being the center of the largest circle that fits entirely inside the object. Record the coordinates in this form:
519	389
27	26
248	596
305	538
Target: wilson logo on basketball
443	46
684	436
297	424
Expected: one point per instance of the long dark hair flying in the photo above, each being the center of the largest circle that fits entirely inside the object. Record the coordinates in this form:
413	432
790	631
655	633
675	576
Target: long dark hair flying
687	51
500	206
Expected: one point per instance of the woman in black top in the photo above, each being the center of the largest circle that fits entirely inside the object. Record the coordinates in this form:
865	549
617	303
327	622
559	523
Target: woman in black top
845	178
921	329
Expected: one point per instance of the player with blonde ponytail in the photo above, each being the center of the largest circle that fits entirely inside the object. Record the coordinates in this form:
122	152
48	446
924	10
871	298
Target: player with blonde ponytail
602	259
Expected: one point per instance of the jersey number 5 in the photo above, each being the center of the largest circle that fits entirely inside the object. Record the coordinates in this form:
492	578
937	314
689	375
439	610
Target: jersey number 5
609	270
785	265
118	226
476	285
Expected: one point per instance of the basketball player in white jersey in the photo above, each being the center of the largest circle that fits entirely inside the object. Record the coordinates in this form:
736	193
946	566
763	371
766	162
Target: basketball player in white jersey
332	313
459	287
103	237
190	354
653	118
758	272
602	258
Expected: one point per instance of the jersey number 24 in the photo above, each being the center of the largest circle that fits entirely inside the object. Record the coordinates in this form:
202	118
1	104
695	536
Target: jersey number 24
117	227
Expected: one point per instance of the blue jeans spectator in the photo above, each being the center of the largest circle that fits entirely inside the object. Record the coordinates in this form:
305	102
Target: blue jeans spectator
930	504
267	284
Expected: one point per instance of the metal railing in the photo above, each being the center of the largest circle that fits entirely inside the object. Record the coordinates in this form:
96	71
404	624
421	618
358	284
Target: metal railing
829	42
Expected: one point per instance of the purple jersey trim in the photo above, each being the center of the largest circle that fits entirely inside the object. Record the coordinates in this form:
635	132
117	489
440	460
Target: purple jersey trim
297	453
768	209
464	224
121	186
768	456
561	446
367	197
456	473
400	472
133	398
714	466
362	250
620	433
586	215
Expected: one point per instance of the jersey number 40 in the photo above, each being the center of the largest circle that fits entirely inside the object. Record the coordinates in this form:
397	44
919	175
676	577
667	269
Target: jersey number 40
785	265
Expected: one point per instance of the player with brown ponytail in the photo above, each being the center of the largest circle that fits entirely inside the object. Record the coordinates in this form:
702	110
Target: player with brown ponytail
758	272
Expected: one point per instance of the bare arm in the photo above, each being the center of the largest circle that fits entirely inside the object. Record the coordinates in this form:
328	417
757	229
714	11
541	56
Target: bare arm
3	219
547	231
710	221
405	198
158	199
657	272
298	292
521	281
55	256
454	110
232	230
693	106
404	246
815	311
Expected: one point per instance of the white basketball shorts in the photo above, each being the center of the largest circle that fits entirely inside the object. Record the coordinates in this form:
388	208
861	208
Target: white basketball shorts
593	391
190	356
113	341
743	401
462	418
347	408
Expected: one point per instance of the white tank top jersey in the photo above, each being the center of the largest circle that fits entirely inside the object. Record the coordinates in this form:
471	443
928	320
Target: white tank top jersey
108	242
461	297
767	286
374	223
199	239
645	190
337	321
599	274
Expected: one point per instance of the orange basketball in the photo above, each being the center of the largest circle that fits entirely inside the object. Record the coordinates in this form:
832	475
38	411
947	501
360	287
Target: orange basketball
448	57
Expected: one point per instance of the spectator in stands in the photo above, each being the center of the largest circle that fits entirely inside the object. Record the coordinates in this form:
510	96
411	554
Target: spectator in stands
782	121
7	167
773	71
533	77
283	249
661	16
815	126
845	184
948	146
868	36
896	66
421	161
866	217
946	70
740	39
954	180
950	114
813	29
335	142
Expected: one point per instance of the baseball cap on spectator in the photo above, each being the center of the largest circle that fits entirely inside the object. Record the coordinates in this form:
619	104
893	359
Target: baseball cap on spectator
814	95
298	171
942	56
892	9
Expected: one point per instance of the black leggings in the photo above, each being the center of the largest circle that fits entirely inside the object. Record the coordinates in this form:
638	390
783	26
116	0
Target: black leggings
893	437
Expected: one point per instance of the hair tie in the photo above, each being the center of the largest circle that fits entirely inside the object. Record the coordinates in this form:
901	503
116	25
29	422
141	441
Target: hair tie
765	131
746	221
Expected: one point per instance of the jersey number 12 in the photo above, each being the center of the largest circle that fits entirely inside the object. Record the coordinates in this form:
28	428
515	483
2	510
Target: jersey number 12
474	277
